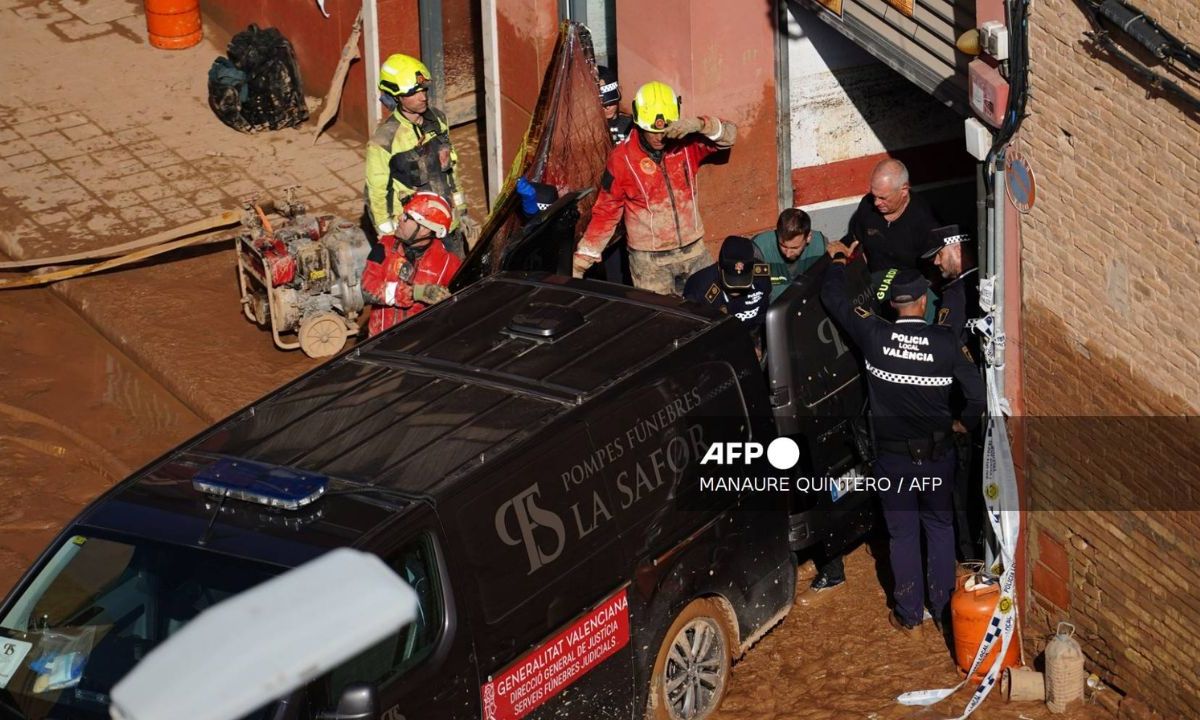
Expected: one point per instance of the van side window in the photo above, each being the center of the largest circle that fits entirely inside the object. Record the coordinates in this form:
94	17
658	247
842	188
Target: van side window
386	661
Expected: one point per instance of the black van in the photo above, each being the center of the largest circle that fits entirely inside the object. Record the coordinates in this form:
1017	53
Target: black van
524	455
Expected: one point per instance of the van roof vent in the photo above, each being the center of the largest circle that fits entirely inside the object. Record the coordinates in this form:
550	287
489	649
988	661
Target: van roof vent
544	321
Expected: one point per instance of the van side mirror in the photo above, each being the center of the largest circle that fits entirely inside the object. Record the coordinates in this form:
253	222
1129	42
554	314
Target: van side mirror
359	701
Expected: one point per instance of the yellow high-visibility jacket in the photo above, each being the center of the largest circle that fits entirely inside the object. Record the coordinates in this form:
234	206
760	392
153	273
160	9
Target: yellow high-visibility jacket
404	157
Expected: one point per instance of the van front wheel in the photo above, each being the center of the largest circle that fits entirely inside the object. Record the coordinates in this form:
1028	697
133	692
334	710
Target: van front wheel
691	671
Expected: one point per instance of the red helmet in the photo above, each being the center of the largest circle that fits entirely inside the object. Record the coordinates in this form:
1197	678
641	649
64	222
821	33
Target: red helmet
430	210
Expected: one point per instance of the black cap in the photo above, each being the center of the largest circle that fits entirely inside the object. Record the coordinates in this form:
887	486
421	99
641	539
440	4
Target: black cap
535	196
907	286
737	262
544	195
943	237
610	92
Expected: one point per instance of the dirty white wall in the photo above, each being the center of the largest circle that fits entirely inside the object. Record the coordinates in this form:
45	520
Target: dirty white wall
601	16
845	104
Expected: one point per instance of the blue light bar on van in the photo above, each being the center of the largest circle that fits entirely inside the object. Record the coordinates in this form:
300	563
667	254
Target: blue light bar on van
260	483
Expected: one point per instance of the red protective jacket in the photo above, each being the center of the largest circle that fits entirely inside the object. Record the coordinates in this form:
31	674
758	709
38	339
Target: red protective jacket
391	296
658	200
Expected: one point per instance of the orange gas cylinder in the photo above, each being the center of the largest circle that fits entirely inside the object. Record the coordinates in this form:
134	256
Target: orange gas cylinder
971	608
173	24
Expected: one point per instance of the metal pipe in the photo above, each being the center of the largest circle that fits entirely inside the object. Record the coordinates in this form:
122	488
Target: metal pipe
999	203
783	106
981	221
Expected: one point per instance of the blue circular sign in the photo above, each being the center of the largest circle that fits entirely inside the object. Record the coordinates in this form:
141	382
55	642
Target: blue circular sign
1018	181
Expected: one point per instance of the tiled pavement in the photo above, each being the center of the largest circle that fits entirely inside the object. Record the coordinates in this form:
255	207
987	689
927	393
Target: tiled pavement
67	171
104	139
103	133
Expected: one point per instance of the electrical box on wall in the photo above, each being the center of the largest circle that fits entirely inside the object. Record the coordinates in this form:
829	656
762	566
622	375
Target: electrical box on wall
993	39
989	91
979	139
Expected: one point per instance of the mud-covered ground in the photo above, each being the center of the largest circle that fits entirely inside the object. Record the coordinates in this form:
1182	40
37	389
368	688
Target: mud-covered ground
76	416
835	656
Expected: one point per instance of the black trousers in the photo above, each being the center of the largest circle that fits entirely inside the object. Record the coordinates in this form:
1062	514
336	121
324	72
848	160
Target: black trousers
914	506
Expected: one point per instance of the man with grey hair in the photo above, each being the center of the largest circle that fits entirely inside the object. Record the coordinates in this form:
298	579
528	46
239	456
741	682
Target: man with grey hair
891	223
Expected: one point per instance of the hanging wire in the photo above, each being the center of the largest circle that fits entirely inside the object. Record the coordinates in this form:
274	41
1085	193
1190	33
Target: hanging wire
1141	28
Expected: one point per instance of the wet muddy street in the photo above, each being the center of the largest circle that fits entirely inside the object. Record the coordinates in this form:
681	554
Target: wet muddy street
835	656
76	416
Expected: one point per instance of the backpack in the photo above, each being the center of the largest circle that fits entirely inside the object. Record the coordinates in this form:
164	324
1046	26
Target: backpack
258	86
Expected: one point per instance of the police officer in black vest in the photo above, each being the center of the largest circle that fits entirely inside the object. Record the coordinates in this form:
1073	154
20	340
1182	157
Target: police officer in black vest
619	123
911	367
736	285
953	253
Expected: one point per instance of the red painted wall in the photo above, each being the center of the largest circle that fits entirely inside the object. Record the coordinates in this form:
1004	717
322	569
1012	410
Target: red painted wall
318	41
721	58
526	31
847	178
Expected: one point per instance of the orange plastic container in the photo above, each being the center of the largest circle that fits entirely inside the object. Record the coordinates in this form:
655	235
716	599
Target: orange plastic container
173	24
970	616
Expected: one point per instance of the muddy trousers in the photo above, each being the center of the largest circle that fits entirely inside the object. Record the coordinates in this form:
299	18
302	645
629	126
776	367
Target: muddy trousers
910	512
666	271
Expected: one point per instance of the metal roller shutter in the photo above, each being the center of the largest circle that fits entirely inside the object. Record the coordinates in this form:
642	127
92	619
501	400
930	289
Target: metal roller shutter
920	47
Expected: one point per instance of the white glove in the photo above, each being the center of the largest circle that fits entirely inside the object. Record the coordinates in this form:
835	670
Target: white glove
580	264
470	228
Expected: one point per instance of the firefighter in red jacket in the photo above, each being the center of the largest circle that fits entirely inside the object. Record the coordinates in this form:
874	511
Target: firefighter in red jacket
410	270
650	182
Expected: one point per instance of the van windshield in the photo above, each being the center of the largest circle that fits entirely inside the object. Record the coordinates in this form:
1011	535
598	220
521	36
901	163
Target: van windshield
96	608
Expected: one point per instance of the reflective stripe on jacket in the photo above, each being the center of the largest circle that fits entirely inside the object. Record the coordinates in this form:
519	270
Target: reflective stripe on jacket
657	200
392	297
403	157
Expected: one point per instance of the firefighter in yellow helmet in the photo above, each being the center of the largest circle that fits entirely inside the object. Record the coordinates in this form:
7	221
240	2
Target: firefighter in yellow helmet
410	152
650	183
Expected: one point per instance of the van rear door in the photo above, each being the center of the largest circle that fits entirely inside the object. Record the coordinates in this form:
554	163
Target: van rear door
818	397
817	392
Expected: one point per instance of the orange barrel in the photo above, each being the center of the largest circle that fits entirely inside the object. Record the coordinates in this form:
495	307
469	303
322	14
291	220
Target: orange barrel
173	24
970	616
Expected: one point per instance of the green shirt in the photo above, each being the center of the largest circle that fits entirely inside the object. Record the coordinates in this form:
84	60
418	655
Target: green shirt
766	249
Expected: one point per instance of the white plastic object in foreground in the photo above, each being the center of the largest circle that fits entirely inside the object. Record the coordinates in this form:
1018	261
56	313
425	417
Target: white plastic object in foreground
263	643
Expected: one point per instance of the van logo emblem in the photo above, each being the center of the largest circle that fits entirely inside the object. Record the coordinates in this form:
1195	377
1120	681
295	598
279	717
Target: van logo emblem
531	518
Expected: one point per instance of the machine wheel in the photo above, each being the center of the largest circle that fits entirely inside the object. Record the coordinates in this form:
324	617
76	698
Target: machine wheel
322	335
691	671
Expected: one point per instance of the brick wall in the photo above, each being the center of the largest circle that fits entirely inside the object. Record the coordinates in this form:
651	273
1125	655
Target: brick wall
1111	284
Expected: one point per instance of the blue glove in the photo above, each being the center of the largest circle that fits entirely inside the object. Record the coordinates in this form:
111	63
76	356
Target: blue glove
528	197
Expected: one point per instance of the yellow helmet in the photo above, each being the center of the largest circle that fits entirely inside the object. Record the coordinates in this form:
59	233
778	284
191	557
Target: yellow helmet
655	107
403	75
